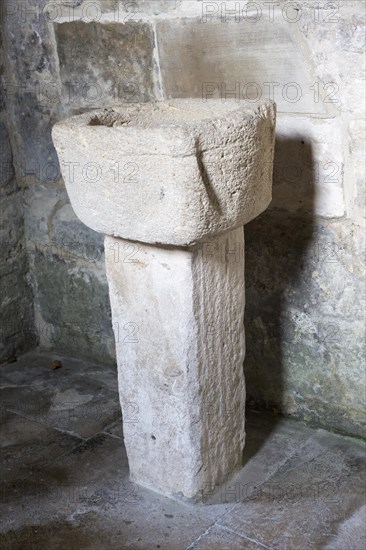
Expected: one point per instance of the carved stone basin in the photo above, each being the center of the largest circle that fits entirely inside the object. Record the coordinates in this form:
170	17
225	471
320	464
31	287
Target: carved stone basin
188	174
171	172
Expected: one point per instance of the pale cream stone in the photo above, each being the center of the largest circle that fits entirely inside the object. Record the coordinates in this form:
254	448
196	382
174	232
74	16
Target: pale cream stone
175	266
178	320
170	172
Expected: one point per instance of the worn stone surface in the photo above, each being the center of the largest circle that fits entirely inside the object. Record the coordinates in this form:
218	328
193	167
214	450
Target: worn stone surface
326	44
351	533
309	496
23	447
219	538
219	154
80	323
52	228
309	167
188	406
88	81
81	410
31	79
17	329
33	91
356	132
57	245
91	12
7	179
305	343
218	56
62	492
335	37
158	6
269	443
15	295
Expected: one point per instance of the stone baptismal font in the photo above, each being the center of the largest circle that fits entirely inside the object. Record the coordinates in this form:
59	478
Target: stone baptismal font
171	184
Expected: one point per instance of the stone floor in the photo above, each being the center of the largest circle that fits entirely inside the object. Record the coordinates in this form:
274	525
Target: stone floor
65	478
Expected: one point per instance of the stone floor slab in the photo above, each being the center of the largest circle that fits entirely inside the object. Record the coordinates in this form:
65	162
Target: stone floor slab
303	504
270	441
74	399
219	538
115	429
27	446
298	488
92	474
33	368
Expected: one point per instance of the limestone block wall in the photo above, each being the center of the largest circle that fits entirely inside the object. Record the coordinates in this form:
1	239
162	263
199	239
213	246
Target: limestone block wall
16	326
304	255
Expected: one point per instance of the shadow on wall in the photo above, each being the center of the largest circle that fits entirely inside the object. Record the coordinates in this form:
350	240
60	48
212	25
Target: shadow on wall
277	244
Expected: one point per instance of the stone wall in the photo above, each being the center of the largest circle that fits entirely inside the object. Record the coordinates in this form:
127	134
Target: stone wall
17	332
305	255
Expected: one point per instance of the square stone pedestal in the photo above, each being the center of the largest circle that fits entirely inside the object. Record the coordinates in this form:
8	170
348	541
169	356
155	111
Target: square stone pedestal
178	320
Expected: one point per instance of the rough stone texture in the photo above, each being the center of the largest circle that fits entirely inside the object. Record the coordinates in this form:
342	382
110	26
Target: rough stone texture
304	341
183	378
122	168
79	324
327	46
78	399
7	181
67	268
335	40
15	296
334	34
91	11
318	171
70	492
320	477
309	167
219	538
158	6
33	89
356	131
88	81
220	156
30	78
241	60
